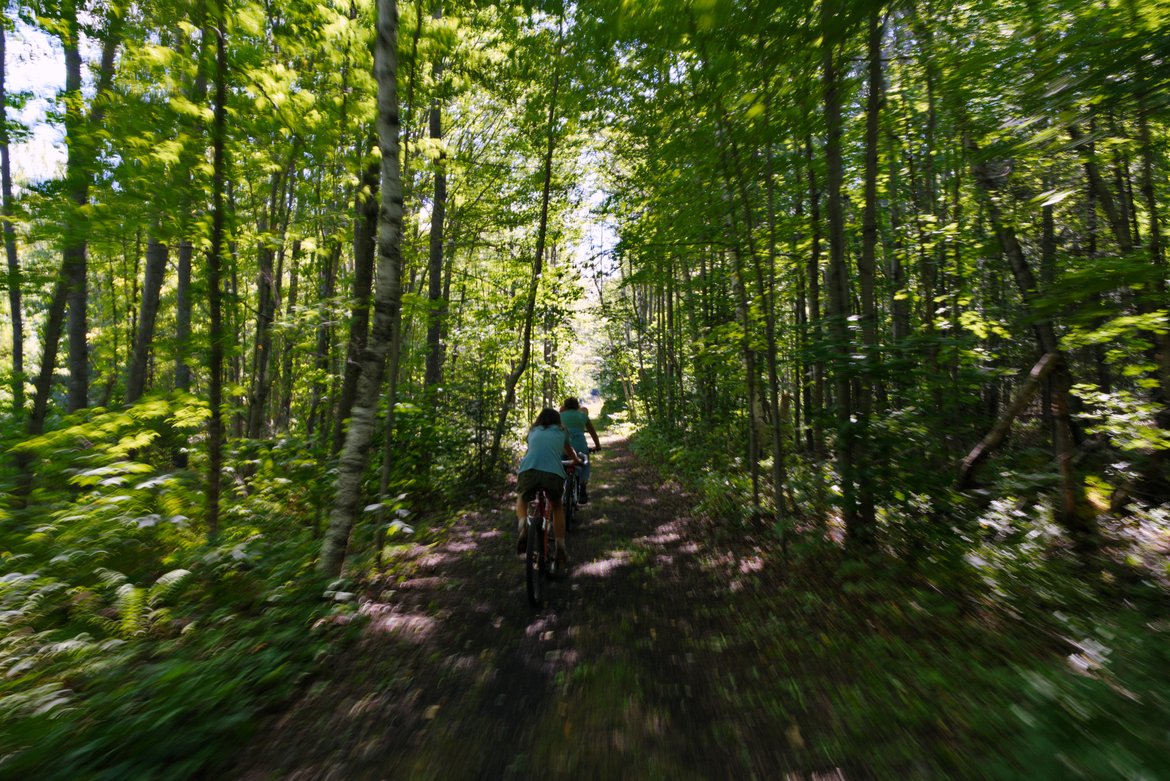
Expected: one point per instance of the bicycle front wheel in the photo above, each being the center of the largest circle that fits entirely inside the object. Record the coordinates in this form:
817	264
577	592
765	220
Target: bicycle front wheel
569	502
534	564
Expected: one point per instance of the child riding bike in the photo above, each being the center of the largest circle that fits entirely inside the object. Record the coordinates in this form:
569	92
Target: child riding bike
548	443
575	418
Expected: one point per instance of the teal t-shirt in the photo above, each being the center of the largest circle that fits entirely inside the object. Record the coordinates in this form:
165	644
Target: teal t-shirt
546	448
575	420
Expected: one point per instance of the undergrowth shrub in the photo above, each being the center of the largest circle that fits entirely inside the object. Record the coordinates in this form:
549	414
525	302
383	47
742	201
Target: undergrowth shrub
131	646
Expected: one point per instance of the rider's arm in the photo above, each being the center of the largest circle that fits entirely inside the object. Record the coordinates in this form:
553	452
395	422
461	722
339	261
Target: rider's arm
593	432
570	453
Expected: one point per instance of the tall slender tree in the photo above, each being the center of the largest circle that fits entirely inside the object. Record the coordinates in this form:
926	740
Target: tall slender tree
354	456
15	307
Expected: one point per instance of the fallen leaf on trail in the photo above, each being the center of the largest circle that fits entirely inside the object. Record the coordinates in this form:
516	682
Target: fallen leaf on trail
431	712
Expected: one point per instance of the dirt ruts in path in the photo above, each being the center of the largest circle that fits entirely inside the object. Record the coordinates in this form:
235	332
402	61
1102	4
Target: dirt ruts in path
623	675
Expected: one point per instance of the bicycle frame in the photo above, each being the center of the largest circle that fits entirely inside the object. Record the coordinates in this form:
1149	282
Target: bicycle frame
542	536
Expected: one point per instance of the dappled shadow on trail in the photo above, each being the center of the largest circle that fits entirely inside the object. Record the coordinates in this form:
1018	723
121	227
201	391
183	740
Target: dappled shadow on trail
624	674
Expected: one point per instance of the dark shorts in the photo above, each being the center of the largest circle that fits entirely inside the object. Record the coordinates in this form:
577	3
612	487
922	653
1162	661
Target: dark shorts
531	479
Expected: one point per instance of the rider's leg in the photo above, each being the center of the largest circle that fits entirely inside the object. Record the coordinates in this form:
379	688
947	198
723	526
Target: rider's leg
521	523
559	522
583	493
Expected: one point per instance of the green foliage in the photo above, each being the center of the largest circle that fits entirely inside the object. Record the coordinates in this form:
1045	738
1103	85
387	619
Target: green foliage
132	647
1127	419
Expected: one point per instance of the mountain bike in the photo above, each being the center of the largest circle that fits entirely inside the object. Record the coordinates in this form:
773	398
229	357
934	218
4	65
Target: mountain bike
540	559
542	547
572	489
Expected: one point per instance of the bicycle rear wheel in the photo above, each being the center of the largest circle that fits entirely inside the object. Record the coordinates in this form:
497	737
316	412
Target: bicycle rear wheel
534	562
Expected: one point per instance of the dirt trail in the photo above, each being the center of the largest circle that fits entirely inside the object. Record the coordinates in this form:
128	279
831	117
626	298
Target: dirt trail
626	674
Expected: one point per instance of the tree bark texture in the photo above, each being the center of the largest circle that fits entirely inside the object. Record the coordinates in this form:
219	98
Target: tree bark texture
1003	425
365	232
387	302
290	340
813	276
265	313
839	289
15	307
326	284
156	265
435	310
74	266
183	317
215	433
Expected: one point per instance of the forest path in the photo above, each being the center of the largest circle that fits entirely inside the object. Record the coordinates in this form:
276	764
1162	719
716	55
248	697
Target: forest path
631	671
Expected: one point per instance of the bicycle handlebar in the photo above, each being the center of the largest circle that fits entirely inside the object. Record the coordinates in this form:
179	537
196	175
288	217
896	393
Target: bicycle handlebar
583	456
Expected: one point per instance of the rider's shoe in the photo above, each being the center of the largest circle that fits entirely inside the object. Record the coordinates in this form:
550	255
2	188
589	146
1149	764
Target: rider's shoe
583	495
562	560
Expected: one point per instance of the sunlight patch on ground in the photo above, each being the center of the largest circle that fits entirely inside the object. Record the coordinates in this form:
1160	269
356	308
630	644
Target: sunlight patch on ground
665	534
746	566
829	775
601	568
538	627
435	560
751	564
417	584
413	627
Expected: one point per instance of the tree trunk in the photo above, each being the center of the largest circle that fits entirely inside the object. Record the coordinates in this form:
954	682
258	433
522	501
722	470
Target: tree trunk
156	265
326	284
50	343
15	308
290	341
1035	381
214	284
183	317
265	314
764	285
365	230
1117	221
839	288
198	96
1154	243
355	452
71	280
866	272
77	175
1080	526
435	313
816	405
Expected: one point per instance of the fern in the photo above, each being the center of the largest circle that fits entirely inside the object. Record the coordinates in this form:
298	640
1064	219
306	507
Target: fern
131	608
166	586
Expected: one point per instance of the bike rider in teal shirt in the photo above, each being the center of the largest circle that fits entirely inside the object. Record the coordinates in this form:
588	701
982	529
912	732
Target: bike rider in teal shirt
548	443
576	419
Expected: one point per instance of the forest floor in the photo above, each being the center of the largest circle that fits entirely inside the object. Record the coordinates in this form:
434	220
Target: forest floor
669	652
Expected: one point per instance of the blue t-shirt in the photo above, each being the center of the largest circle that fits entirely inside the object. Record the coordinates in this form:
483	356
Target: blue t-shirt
546	448
575	421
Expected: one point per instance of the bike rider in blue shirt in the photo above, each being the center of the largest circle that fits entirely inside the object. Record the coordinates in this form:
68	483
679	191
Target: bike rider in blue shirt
541	467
